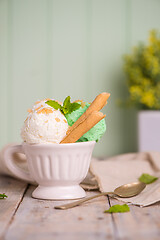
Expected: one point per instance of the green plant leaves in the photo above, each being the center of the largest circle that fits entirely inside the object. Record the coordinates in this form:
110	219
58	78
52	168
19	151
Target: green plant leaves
142	68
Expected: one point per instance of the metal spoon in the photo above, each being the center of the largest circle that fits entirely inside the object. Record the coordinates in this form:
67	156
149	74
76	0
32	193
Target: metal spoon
124	191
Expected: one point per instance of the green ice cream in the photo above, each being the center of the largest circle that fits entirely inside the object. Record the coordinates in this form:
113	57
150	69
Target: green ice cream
95	133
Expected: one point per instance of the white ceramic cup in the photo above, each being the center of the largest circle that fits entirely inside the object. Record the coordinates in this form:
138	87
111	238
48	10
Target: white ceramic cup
57	168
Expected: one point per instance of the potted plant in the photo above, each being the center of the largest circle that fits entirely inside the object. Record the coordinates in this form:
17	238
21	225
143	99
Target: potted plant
142	68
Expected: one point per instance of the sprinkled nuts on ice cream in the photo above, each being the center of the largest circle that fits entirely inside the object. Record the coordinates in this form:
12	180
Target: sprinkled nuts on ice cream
44	124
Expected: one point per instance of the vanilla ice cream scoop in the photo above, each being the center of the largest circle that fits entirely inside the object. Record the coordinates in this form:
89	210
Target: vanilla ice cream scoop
44	125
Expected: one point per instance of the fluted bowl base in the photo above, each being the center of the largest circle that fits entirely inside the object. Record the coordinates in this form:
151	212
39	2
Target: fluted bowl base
58	192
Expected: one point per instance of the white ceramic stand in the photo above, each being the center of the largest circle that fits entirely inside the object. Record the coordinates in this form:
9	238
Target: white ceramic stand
59	193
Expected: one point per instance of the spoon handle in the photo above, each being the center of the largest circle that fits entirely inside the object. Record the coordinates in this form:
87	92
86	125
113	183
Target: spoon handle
76	203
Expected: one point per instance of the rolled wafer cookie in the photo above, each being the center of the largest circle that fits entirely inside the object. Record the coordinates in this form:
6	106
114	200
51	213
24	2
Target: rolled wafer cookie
98	103
83	127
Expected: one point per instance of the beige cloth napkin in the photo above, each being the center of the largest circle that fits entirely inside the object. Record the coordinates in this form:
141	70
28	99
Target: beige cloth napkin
127	168
110	173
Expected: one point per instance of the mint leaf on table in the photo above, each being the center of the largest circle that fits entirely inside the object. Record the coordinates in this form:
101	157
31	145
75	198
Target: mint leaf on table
2	196
146	178
118	208
67	107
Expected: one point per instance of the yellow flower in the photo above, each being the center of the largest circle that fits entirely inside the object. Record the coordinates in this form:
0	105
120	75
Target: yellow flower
143	73
147	58
152	36
145	82
151	62
154	41
155	66
151	50
148	99
135	92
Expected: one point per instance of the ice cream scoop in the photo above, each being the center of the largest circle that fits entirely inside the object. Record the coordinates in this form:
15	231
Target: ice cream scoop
50	121
95	133
44	125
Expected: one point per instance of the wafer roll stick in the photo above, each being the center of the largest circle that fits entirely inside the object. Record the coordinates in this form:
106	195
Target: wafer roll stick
83	127
98	103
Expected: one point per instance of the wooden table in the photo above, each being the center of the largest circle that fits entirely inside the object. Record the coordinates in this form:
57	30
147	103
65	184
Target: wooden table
22	217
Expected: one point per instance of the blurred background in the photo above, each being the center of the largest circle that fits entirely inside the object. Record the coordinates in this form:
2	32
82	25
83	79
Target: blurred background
56	48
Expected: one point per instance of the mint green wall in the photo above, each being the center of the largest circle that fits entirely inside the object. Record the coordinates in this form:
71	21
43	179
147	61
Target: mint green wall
55	48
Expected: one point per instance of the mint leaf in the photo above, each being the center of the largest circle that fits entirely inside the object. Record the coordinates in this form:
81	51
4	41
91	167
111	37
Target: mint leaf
2	196
67	107
65	111
146	178
54	104
67	102
118	208
74	106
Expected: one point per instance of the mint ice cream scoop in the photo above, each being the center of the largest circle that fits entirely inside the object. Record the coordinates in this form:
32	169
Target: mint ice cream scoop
95	133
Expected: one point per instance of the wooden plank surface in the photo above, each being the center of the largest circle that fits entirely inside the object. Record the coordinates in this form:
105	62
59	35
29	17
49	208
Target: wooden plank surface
14	189
37	219
139	223
23	217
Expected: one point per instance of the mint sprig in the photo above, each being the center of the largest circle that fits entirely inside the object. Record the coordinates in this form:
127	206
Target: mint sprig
147	178
54	104
2	196
67	106
118	208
